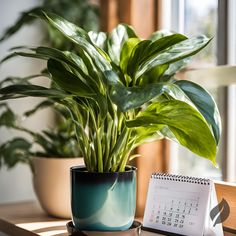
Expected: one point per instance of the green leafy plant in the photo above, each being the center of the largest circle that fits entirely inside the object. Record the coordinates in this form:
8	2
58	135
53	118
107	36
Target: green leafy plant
121	92
58	142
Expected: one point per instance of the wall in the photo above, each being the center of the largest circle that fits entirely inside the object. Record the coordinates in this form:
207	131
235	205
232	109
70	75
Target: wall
15	184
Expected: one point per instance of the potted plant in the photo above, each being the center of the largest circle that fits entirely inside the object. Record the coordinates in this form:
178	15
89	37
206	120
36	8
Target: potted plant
42	152
120	91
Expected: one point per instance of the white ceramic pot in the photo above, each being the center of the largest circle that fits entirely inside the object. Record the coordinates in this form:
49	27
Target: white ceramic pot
51	182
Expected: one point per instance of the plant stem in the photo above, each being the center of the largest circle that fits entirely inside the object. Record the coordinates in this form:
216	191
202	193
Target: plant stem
97	142
126	152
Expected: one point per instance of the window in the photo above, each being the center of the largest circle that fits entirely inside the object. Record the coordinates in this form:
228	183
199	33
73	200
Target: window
230	174
201	17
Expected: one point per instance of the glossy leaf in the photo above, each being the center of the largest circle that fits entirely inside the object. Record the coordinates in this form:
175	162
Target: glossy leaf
173	68
145	50
73	84
130	98
126	52
137	56
116	40
134	97
67	81
13	91
162	44
174	53
188	127
154	75
204	103
69	57
73	61
147	134
78	36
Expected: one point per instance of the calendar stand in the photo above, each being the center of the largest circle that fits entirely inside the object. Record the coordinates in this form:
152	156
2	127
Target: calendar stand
180	205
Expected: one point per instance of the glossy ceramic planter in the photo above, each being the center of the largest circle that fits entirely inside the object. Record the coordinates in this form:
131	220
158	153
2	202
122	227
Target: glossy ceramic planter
51	182
103	201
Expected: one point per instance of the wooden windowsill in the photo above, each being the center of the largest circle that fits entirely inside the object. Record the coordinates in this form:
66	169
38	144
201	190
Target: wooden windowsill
28	219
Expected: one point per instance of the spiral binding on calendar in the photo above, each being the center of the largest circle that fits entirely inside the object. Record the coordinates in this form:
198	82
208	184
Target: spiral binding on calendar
181	178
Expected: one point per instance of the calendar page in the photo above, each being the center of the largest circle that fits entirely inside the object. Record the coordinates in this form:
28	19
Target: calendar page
177	204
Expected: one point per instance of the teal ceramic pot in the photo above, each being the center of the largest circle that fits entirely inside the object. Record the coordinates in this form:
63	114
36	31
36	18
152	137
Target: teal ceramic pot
103	201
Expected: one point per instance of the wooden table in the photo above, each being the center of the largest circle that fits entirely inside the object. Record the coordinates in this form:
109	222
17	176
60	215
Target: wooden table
28	219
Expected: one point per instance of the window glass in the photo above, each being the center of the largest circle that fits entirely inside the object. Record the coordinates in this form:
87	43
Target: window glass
200	17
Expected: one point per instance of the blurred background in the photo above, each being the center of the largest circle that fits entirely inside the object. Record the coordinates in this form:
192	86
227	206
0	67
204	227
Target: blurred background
19	179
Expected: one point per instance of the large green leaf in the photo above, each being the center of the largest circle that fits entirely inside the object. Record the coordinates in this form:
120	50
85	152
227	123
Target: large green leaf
185	122
67	57
137	56
94	78
174	53
154	75
134	97
147	134
126	52
68	81
204	103
147	48
47	53
76	63
161	44
117	38
15	91
79	37
130	97
173	68
127	98
22	49
71	83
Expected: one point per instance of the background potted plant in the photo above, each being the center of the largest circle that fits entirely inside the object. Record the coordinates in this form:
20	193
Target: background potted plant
120	91
43	152
54	147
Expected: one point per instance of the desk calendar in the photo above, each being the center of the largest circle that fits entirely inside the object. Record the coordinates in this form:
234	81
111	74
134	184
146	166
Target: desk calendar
181	205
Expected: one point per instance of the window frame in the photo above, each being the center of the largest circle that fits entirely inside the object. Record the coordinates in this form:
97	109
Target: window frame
226	54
